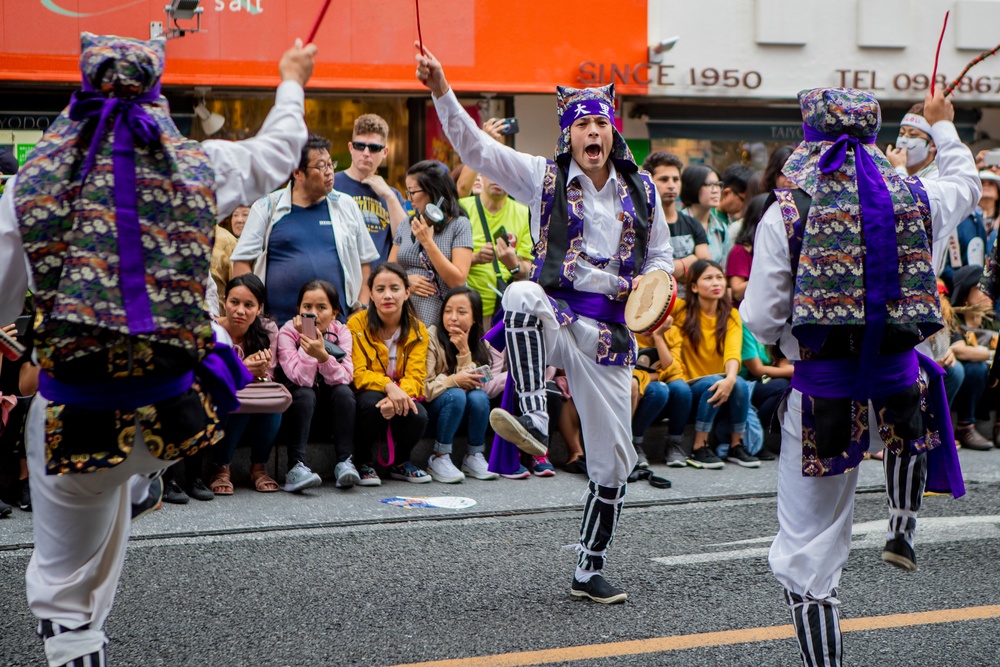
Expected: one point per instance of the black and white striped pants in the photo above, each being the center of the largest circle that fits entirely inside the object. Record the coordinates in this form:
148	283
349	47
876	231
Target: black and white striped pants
817	629
49	629
526	359
905	477
600	517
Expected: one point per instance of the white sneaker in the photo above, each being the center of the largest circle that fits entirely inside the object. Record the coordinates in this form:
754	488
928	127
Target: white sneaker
347	475
443	470
477	467
300	477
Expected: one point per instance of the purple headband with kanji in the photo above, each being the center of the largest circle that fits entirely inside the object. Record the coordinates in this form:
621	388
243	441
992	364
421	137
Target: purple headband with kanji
591	107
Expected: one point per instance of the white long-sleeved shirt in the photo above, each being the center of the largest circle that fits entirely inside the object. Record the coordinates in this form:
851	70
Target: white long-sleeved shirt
244	171
767	304
521	175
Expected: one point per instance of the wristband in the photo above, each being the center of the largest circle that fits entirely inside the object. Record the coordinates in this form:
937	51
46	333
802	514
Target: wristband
516	270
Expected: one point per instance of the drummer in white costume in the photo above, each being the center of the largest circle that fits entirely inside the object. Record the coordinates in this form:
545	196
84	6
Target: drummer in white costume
853	339
598	227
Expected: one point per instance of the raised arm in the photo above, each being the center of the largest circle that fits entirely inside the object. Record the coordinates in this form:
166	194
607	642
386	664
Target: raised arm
249	169
519	174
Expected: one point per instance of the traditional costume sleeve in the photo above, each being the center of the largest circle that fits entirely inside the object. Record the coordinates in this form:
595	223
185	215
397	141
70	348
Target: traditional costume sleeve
767	304
659	252
249	169
14	270
956	191
519	174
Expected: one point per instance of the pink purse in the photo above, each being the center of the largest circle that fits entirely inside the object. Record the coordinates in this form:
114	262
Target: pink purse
265	397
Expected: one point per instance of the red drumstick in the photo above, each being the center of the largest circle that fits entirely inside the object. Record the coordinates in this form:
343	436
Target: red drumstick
420	36
319	19
972	63
937	54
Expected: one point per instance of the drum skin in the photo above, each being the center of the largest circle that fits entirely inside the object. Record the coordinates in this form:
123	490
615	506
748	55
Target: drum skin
650	304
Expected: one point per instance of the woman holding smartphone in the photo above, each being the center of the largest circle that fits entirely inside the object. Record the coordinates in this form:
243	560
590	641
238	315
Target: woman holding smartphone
435	255
390	364
459	364
315	364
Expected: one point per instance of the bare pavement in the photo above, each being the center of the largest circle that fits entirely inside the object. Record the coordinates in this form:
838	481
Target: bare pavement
334	577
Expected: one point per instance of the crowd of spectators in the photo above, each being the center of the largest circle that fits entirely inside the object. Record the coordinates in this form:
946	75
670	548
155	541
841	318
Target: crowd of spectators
371	307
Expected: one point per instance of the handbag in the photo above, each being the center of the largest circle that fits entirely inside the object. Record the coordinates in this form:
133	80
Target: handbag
501	283
265	397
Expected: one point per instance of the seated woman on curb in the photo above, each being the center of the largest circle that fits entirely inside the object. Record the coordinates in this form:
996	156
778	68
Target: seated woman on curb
318	371
390	365
707	337
455	392
666	396
255	340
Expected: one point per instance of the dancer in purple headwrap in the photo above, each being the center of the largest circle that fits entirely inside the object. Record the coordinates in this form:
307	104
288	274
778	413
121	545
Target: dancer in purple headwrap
843	280
110	221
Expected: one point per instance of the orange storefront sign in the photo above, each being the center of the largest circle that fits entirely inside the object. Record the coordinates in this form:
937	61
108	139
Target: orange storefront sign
365	45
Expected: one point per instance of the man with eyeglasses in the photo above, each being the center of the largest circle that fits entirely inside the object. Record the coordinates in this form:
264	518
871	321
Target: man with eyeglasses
381	204
304	232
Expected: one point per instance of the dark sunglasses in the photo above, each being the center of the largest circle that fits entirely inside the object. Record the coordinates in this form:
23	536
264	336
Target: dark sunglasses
360	146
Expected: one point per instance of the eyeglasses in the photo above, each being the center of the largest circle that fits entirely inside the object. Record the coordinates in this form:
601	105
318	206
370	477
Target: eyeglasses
712	186
410	193
360	147
323	166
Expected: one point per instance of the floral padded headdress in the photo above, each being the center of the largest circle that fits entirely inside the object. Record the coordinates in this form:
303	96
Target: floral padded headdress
573	103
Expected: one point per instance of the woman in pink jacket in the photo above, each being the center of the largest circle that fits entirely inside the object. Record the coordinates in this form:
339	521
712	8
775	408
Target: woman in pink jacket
317	369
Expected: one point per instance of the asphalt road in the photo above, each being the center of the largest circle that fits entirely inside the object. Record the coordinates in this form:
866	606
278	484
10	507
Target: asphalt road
372	593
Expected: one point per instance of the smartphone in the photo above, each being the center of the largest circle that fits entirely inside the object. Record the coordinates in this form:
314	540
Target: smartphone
992	158
10	348
23	323
510	126
485	371
501	234
309	325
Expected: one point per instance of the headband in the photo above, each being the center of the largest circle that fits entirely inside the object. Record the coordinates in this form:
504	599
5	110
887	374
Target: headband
914	120
583	108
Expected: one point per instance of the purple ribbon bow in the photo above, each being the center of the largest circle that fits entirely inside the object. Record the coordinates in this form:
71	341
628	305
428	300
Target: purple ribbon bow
878	221
131	123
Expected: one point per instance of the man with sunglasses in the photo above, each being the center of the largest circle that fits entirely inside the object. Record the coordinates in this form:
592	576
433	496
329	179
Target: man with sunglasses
381	204
307	231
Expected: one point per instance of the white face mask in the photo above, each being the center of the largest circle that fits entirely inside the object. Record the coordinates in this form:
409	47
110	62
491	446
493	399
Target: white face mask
916	149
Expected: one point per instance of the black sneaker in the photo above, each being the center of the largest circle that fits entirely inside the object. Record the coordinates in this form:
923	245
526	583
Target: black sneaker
899	553
765	454
705	458
152	502
521	431
577	467
5	509
174	494
199	491
24	500
641	460
598	590
738	455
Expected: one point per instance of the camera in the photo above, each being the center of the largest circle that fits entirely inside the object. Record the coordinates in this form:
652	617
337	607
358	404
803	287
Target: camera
510	126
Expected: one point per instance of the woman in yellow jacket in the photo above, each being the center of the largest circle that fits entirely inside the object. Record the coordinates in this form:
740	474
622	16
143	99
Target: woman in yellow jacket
390	365
707	338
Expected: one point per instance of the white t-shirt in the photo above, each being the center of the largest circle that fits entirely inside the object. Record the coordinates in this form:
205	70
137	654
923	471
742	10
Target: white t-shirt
393	345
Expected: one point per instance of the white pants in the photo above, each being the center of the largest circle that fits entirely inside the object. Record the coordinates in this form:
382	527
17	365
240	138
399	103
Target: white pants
602	393
815	517
82	524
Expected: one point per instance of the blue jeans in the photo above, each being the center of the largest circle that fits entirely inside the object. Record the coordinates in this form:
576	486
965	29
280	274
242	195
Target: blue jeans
971	391
455	407
258	430
953	379
735	408
671	400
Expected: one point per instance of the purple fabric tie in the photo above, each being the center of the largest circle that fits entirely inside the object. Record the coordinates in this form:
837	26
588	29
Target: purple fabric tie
505	457
590	304
131	123
878	220
837	378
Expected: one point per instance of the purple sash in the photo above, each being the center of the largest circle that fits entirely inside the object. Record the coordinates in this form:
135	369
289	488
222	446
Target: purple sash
505	457
588	304
131	123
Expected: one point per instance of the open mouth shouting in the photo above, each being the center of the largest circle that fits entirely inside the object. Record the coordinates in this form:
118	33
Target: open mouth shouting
593	152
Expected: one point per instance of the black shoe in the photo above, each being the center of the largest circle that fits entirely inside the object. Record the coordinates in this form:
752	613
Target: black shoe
704	457
577	466
899	553
174	494
24	500
152	502
521	431
5	509
598	590
765	454
738	455
199	491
